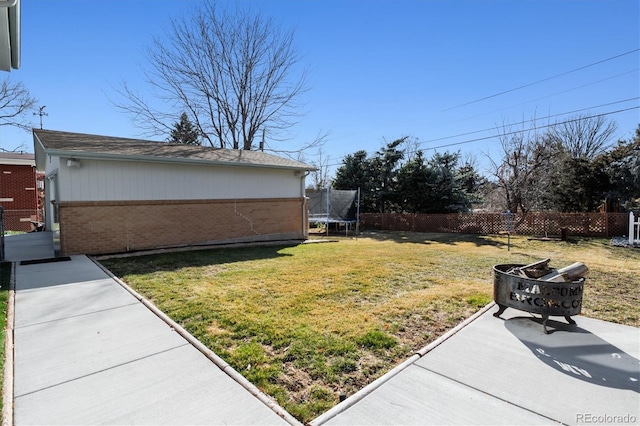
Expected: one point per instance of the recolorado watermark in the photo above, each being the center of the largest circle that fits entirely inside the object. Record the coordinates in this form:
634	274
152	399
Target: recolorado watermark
589	418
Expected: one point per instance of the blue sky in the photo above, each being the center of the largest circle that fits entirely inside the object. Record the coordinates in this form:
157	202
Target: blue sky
379	70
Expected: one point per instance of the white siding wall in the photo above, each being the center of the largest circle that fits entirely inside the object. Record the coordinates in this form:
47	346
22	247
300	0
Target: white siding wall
51	168
129	180
53	163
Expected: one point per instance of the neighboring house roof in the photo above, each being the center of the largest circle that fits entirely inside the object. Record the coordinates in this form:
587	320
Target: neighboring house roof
79	145
17	159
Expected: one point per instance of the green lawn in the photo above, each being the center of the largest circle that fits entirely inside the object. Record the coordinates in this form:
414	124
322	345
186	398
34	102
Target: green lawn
307	323
5	278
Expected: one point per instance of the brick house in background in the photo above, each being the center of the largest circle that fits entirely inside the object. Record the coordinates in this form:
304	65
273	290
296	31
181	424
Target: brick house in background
20	191
111	195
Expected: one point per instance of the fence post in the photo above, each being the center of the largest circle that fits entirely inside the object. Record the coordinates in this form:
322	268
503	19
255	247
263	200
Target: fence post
631	228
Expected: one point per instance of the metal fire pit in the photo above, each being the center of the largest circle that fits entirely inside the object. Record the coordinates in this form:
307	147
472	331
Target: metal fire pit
536	296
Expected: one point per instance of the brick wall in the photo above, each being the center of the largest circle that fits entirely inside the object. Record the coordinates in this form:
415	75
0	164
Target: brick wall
18	196
121	226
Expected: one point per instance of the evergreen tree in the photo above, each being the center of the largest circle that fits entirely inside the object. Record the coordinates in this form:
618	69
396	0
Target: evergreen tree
184	132
578	185
375	176
585	169
414	194
353	173
437	185
449	184
383	172
622	166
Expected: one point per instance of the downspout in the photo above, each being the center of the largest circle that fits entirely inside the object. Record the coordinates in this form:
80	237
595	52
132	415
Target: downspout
305	222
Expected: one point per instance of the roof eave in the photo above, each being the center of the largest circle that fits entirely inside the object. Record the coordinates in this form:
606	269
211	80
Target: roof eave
154	159
18	162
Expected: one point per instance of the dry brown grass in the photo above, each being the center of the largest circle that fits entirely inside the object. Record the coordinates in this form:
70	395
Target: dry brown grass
310	322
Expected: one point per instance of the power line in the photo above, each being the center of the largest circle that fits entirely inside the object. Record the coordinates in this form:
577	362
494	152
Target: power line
549	96
543	80
535	100
522	130
528	121
533	128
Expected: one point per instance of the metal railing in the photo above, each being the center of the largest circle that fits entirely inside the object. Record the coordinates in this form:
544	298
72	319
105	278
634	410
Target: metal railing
1	233
634	229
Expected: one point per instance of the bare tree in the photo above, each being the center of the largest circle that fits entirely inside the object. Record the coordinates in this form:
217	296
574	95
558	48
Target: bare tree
235	73
15	103
583	137
522	173
319	176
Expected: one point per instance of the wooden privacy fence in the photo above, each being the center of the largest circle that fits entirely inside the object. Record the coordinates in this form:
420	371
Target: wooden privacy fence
542	224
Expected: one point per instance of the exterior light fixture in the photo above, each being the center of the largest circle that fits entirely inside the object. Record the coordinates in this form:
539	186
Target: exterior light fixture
73	163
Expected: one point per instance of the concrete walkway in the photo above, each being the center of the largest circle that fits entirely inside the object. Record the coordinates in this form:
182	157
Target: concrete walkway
88	351
508	372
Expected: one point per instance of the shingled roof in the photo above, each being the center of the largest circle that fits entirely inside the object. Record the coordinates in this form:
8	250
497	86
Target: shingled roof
17	158
80	145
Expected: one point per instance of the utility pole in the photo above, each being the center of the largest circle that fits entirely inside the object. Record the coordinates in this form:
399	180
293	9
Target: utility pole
41	113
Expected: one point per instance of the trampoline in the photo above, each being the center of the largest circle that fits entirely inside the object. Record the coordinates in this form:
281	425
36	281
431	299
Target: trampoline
333	206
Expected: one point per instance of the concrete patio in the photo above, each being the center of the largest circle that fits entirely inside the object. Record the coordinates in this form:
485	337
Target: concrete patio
88	350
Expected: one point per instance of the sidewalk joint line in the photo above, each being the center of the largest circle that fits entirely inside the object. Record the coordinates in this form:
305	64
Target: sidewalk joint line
487	393
102	370
134	302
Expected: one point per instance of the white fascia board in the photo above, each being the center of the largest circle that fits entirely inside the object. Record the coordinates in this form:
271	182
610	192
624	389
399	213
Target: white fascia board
40	153
18	162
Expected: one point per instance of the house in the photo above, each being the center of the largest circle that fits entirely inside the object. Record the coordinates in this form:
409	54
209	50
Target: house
19	191
10	35
111	195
